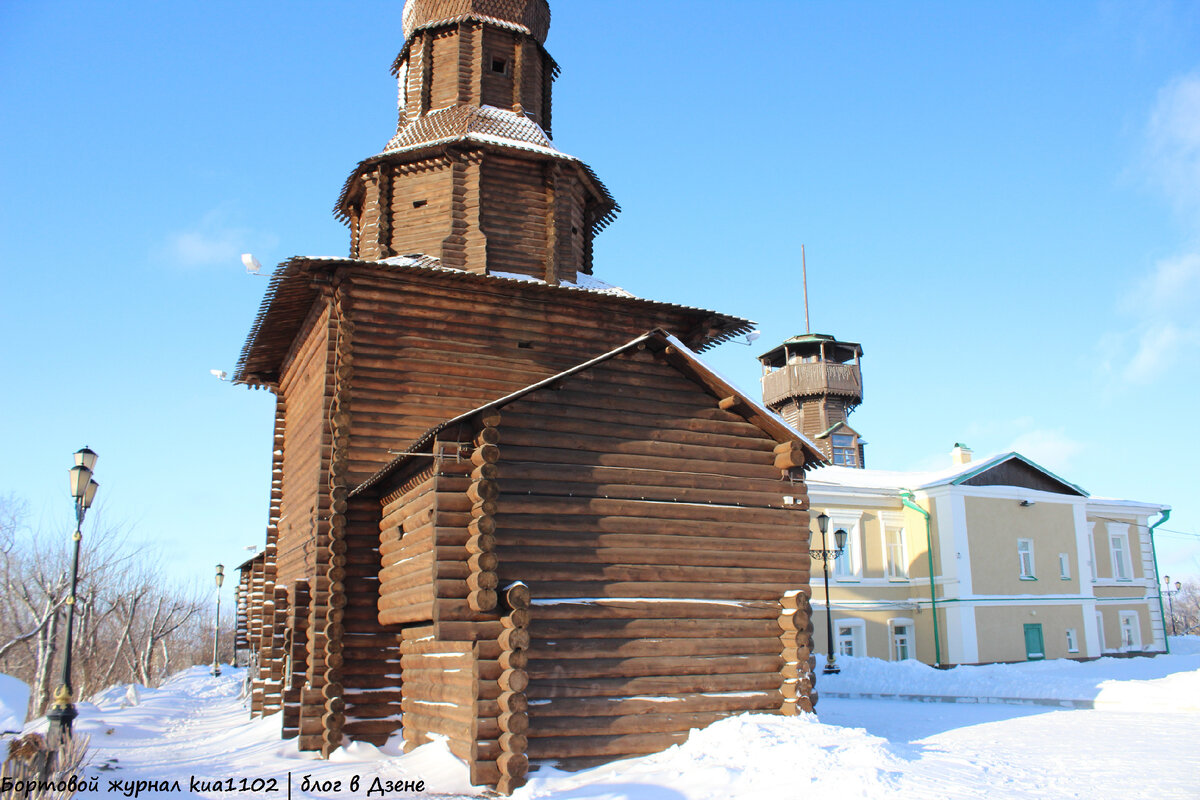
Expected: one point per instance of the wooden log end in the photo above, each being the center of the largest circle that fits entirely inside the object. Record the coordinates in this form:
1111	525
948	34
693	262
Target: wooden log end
517	596
514	722
482	600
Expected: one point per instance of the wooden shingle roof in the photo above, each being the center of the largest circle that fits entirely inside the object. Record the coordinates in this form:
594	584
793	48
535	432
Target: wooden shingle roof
291	294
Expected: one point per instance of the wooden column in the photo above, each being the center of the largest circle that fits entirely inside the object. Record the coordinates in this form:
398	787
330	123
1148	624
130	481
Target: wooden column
297	647
334	718
513	719
426	94
483	491
798	681
553	170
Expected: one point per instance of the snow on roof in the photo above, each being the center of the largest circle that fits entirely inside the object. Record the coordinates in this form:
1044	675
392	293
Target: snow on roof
584	282
897	480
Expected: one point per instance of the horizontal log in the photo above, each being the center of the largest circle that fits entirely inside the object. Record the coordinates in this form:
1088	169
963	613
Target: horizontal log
548	453
787	574
525	529
544	650
624	724
677	553
651	666
652	589
633	609
781	520
694	702
553	689
417	612
592	746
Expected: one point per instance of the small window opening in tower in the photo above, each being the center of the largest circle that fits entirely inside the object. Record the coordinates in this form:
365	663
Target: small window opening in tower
574	229
500	65
420	203
845	451
525	345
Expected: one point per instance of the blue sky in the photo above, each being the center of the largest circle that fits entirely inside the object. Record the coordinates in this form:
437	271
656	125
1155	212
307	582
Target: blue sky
1000	201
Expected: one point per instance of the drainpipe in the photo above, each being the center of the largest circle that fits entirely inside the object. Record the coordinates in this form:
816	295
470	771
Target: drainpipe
1166	515
907	499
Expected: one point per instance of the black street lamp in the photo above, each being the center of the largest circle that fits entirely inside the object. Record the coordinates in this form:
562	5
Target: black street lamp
83	489
1171	598
216	670
839	538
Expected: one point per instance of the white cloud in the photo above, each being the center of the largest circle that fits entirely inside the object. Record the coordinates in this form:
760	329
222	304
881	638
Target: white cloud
216	241
1050	447
1053	448
1173	141
1161	334
1161	347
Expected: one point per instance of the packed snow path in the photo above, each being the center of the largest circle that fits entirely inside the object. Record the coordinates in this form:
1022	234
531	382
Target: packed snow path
197	726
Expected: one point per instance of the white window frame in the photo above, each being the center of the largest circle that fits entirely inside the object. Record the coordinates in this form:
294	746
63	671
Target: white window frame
895	569
1092	547
857	637
846	453
1131	623
1072	641
848	567
1118	545
1026	572
1064	566
910	634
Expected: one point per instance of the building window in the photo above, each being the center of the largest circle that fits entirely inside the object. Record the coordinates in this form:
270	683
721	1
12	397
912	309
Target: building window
1131	632
1025	557
897	557
848	566
901	635
845	450
1072	641
1064	566
500	65
851	638
1120	556
1100	629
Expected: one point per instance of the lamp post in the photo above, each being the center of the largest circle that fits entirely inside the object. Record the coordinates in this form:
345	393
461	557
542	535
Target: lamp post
83	489
826	555
216	670
1171	598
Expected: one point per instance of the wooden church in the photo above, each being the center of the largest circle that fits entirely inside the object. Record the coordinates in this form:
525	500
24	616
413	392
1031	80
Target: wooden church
509	504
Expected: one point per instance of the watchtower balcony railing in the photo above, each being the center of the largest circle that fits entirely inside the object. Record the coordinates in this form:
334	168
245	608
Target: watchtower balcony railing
808	378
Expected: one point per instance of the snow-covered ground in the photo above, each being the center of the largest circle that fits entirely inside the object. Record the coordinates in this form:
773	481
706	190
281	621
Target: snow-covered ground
14	699
1139	742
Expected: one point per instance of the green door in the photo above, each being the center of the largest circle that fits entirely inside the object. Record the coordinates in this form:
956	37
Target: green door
1035	648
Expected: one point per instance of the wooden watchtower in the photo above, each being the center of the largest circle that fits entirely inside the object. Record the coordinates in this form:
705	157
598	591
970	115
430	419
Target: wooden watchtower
814	381
473	438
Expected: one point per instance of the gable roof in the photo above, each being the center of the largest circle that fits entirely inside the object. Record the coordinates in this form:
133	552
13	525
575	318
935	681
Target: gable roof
834	428
974	473
677	355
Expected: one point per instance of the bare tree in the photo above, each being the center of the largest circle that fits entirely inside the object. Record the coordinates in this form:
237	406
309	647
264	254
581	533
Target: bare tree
130	624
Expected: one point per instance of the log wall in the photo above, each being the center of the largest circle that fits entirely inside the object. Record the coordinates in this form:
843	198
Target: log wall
305	458
650	528
428	350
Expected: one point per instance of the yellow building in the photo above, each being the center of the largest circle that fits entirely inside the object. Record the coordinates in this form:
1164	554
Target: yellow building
1024	564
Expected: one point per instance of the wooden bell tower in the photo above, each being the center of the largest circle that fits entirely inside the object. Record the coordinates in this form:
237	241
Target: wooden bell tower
471	176
814	381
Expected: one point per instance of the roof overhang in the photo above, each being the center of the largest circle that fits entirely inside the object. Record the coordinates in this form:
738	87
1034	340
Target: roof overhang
294	287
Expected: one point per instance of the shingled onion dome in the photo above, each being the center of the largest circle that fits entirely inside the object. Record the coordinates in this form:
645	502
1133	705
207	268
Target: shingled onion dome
531	17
